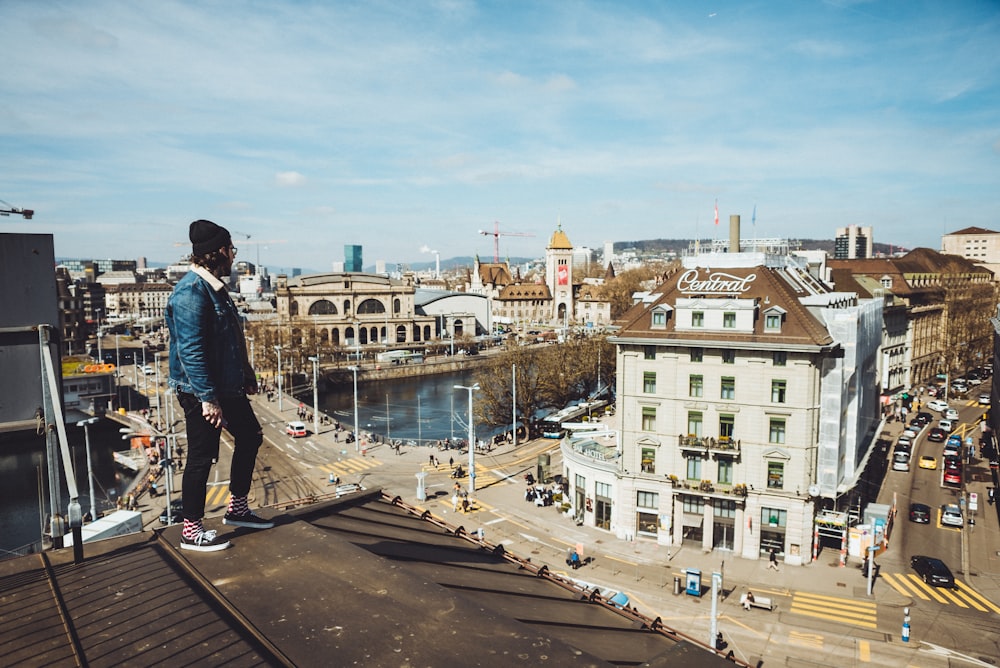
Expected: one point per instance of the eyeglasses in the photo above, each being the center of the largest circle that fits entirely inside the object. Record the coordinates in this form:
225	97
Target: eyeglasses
234	249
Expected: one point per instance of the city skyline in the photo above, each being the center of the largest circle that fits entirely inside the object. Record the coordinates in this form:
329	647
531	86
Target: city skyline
410	128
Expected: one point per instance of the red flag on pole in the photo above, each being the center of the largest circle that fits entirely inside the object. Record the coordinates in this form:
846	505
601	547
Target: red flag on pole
716	212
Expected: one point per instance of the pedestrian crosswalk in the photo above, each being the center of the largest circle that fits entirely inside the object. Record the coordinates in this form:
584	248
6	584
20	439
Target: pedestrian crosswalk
833	608
484	477
910	584
344	468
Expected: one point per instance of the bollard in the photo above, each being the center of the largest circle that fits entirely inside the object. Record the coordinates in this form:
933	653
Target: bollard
906	625
677	586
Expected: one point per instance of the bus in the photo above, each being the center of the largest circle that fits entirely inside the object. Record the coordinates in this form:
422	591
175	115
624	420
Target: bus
554	425
399	357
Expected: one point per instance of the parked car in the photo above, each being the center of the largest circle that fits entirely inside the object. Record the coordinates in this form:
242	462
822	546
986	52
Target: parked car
984	399
951	515
952	449
920	513
959	388
951	414
974	380
295	429
924	417
952	476
910	432
938	405
904	444
936	435
927	462
147	370
932	571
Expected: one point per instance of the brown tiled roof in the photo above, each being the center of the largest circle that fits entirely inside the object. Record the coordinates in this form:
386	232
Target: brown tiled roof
973	230
770	288
525	291
491	273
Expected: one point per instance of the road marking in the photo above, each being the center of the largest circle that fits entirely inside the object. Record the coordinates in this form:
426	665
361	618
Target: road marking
902	584
972	593
806	639
965	596
864	651
847	611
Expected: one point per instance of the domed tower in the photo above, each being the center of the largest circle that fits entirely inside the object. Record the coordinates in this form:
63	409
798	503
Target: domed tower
559	275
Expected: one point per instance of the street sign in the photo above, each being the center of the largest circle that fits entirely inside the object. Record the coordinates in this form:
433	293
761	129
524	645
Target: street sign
973	501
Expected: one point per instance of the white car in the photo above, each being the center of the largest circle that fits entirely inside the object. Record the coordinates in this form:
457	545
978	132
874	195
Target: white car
951	515
951	414
984	399
939	405
148	370
947	425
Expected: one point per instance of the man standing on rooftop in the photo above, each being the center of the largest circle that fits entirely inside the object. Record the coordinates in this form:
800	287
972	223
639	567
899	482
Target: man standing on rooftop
211	375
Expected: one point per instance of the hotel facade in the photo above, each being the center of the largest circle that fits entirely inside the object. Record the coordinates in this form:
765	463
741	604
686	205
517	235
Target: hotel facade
748	399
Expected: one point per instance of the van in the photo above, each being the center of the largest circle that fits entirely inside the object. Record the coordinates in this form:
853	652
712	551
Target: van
900	461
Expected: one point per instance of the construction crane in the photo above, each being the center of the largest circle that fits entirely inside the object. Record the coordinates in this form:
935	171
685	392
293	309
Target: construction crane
27	213
496	233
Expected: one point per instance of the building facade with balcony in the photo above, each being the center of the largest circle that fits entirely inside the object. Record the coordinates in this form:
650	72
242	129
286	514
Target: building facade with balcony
748	399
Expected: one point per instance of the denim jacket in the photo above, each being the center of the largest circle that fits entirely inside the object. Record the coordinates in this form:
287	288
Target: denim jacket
208	354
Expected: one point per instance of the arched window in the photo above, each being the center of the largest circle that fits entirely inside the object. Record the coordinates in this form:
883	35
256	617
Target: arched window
293	307
370	306
456	327
323	307
395	306
401	334
347	306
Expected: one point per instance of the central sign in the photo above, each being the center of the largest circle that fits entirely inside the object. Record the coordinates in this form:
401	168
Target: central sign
716	283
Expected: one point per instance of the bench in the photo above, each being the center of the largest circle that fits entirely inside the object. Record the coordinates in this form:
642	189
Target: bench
762	602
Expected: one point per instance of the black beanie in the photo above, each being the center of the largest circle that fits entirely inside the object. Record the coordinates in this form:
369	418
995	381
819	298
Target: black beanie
206	237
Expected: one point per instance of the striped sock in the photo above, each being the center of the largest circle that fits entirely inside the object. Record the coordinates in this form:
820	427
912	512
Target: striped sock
191	529
238	505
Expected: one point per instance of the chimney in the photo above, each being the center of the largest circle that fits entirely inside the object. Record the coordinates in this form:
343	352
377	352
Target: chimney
734	234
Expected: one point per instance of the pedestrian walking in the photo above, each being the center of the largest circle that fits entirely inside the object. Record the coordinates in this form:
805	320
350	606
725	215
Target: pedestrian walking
211	376
772	559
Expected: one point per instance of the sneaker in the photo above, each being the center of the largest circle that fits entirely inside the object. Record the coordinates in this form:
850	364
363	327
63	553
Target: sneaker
248	520
204	542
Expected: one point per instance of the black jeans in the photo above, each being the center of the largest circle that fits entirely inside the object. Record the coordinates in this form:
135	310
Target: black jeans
203	450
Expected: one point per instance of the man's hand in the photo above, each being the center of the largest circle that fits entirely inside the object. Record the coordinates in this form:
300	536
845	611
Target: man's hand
213	413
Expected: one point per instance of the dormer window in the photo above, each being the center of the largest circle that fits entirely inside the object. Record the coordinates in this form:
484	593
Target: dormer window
697	318
886	282
659	317
773	318
729	320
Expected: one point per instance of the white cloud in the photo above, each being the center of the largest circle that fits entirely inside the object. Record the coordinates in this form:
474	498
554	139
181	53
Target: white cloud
289	179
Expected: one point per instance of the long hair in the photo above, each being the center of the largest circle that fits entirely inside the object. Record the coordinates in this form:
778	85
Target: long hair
214	261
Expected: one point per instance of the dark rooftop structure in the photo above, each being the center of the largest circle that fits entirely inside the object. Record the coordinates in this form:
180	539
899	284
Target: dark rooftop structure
361	580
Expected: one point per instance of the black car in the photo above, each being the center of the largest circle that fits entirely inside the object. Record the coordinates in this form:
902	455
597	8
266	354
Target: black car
936	435
933	571
920	513
176	508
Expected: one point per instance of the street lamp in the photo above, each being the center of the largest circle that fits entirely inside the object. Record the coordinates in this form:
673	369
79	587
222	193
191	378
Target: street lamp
90	472
315	360
472	438
278	349
357	445
250	339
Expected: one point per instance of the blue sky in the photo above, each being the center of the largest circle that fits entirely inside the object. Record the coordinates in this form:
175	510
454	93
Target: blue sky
408	127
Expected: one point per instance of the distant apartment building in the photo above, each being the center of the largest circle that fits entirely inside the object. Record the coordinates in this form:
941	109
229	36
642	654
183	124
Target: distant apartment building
973	243
853	243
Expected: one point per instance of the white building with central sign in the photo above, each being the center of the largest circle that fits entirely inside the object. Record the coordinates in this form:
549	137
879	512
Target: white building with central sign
748	399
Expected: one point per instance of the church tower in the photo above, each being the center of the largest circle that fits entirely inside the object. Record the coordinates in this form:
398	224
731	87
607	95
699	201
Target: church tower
559	275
